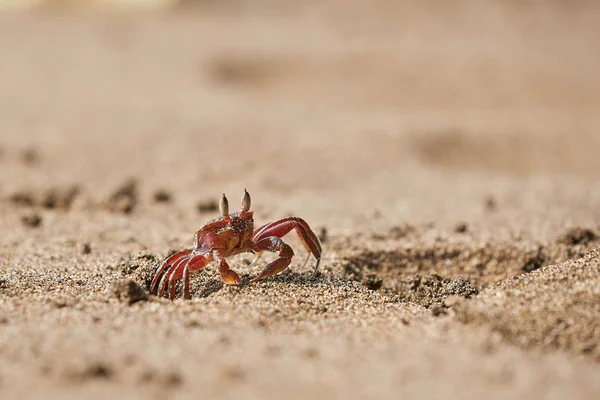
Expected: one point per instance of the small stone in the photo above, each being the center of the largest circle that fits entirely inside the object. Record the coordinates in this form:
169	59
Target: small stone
438	310
372	282
323	234
22	199
86	249
127	290
162	196
30	156
206	206
398	232
173	379
490	203
31	220
577	236
60	198
461	228
96	370
534	262
124	199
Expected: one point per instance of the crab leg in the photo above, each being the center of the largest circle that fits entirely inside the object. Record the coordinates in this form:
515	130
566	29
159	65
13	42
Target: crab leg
229	276
258	257
274	244
282	227
169	261
186	281
167	275
172	278
195	264
182	269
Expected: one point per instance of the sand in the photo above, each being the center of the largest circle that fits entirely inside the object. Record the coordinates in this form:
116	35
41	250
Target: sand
445	154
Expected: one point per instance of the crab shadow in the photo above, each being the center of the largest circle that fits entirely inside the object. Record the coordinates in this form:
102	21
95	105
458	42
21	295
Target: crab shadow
214	285
301	279
293	278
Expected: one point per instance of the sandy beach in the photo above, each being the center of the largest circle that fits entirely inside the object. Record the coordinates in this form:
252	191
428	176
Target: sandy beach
446	155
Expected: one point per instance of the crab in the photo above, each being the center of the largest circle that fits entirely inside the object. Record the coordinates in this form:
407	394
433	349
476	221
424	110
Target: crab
232	234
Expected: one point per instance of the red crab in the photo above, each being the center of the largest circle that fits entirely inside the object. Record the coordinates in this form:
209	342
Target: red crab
232	234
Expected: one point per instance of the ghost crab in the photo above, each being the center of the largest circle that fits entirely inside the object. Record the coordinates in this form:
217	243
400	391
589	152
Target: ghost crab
228	235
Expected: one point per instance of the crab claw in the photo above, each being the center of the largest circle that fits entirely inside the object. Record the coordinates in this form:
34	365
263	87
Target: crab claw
229	276
282	227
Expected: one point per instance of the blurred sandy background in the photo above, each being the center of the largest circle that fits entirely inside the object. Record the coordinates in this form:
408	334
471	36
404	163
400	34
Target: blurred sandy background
446	152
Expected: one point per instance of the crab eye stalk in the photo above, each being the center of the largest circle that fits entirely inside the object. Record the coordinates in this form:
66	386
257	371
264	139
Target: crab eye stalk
224	206
246	201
